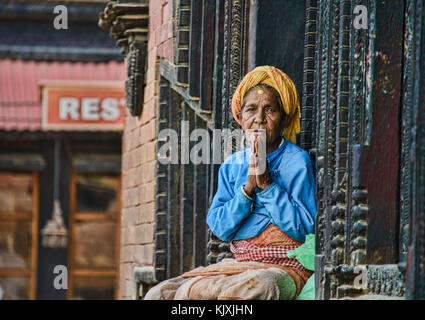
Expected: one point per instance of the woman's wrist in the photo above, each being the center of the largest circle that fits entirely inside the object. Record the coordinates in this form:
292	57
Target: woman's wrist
248	190
265	185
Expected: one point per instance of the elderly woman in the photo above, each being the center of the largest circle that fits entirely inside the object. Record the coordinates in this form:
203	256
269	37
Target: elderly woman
264	209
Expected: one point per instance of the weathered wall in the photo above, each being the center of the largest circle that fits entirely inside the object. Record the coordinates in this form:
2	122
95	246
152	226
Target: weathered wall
139	156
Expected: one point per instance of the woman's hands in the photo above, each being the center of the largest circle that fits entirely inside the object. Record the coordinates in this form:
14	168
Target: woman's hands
258	171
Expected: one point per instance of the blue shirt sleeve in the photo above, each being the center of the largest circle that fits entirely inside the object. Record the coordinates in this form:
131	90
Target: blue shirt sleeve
293	210
229	207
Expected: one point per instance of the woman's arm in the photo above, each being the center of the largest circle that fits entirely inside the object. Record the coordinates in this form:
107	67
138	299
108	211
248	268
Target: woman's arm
229	208
293	210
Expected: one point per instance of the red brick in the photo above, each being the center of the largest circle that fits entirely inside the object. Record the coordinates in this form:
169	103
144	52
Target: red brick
134	158
148	132
170	30
149	110
144	234
122	240
134	197
138	175
146	213
138	159
154	5
124	159
128	253
130	139
134	138
152	72
148	190
150	170
167	12
125	200
121	292
152	57
151	150
151	90
160	50
132	216
130	177
166	32
131	123
127	271
144	254
157	34
129	288
137	134
142	153
124	181
124	217
129	235
142	192
155	19
168	50
129	160
151	41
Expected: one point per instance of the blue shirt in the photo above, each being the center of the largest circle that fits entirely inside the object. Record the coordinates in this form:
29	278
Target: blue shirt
289	202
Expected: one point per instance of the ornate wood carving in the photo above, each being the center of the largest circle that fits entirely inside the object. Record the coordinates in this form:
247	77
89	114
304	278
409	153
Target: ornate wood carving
413	105
127	23
307	116
135	83
234	55
386	280
361	60
406	172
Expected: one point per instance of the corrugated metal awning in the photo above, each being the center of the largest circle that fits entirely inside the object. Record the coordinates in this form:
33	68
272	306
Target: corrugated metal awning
20	100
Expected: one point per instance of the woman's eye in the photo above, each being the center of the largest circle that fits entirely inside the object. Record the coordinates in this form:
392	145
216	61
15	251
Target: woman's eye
269	110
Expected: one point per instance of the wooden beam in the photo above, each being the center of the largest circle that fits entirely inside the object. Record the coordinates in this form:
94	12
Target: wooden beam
186	191
173	187
207	54
195	47
200	208
382	161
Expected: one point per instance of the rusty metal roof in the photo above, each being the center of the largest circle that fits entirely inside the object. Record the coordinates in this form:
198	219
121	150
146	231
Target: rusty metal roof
20	99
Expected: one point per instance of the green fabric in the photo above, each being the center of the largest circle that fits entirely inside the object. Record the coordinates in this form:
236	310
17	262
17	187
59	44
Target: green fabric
308	291
305	252
305	255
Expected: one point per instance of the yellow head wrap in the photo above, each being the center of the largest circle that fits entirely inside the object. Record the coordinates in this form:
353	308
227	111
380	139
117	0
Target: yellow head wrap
284	86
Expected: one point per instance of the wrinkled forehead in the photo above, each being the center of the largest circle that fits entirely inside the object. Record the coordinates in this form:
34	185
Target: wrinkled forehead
261	93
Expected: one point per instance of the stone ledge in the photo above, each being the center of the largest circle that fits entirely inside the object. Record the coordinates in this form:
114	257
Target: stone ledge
144	275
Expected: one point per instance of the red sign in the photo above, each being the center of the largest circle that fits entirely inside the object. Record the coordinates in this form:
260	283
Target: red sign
83	106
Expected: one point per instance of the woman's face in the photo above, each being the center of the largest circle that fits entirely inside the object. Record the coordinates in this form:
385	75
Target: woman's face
261	111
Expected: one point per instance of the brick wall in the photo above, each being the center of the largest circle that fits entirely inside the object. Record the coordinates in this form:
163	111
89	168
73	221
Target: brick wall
139	156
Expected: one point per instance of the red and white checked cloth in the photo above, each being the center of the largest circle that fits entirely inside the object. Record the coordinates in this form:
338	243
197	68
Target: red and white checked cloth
245	251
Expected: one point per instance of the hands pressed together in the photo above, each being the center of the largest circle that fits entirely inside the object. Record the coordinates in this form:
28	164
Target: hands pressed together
258	172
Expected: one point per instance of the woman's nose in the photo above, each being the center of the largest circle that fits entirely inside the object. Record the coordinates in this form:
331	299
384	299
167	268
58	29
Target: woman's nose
259	117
